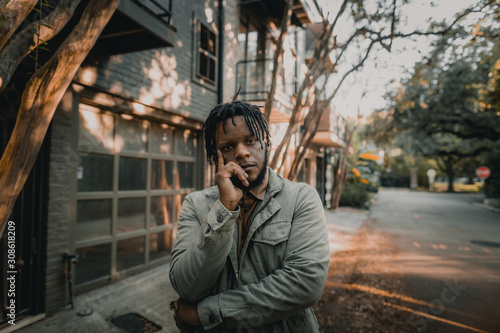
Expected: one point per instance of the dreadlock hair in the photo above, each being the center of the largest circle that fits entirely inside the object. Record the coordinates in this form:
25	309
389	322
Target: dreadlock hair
254	119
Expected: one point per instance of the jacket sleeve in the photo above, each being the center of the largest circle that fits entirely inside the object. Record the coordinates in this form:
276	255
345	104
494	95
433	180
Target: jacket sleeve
201	249
296	286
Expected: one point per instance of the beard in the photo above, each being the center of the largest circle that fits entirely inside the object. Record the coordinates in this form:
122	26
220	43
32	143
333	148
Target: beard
257	181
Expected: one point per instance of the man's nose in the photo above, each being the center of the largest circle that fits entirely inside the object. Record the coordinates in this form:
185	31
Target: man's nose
241	151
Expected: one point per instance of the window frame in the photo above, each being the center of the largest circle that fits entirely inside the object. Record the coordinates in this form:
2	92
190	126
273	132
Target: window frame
115	194
198	50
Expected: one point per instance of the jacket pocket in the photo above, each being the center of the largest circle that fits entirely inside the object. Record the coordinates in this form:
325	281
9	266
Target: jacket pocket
272	233
266	251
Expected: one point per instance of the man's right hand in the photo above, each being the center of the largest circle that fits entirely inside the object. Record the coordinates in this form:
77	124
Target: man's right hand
230	195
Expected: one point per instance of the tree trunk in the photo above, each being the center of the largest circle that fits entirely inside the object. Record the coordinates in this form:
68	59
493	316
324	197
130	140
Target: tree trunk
450	174
40	99
447	167
339	179
311	125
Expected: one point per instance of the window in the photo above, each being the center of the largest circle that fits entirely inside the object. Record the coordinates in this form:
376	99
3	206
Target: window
254	67
132	175
206	54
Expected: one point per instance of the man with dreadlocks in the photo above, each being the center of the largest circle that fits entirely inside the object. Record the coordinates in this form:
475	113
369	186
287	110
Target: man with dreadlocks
251	253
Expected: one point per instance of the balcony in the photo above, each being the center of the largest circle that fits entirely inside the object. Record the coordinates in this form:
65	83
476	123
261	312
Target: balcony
254	78
138	25
304	11
331	130
313	34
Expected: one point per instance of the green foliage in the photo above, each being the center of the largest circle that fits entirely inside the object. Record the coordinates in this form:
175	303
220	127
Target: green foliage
395	180
354	194
398	169
447	111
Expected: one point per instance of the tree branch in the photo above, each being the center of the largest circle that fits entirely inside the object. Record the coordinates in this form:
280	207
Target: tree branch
279	49
24	42
12	15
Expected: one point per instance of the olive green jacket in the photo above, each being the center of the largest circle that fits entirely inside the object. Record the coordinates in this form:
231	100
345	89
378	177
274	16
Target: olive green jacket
282	267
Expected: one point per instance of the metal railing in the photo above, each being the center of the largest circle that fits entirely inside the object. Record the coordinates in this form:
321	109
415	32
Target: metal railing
159	8
254	78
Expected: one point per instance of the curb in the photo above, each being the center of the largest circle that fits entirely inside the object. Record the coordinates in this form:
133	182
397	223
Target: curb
485	206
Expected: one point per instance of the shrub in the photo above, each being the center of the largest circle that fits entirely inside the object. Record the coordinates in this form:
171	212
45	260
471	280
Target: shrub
394	180
354	194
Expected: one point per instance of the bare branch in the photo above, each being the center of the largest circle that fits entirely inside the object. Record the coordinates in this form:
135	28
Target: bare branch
24	42
12	15
393	22
287	15
321	50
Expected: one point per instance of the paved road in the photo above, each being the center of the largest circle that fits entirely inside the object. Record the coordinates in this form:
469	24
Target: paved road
449	259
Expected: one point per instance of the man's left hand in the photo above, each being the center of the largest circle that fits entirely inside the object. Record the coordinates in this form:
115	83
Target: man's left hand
186	316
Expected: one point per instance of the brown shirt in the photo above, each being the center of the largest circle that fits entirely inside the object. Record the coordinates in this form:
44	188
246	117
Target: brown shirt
247	205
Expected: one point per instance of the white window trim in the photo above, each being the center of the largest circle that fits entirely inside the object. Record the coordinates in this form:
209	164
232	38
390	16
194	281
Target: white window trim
196	77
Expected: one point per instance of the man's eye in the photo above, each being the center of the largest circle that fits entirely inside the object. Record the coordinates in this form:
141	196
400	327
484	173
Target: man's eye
250	141
226	148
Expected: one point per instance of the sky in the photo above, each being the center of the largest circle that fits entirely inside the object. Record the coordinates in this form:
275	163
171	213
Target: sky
386	72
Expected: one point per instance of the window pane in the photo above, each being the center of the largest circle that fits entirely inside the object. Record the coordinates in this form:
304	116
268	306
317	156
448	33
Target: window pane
160	244
162	138
203	37
132	134
211	42
162	175
253	77
95	129
130	253
203	65
252	46
186	174
131	214
242	38
186	143
161	208
95	173
93	262
93	219
242	78
132	174
183	196
178	204
211	72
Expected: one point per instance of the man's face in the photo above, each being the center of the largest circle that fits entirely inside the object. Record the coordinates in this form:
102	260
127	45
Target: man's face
238	145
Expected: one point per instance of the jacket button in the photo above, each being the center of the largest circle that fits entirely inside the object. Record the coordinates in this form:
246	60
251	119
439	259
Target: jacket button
211	319
219	218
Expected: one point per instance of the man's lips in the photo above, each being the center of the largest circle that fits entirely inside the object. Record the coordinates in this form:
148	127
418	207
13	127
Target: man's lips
247	167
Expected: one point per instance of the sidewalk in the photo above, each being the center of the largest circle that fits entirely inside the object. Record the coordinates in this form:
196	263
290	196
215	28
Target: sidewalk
148	294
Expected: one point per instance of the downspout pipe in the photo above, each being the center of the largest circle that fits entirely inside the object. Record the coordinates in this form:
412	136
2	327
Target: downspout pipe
220	69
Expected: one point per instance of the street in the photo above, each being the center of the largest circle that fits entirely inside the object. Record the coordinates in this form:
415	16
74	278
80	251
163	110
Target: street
449	256
421	262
